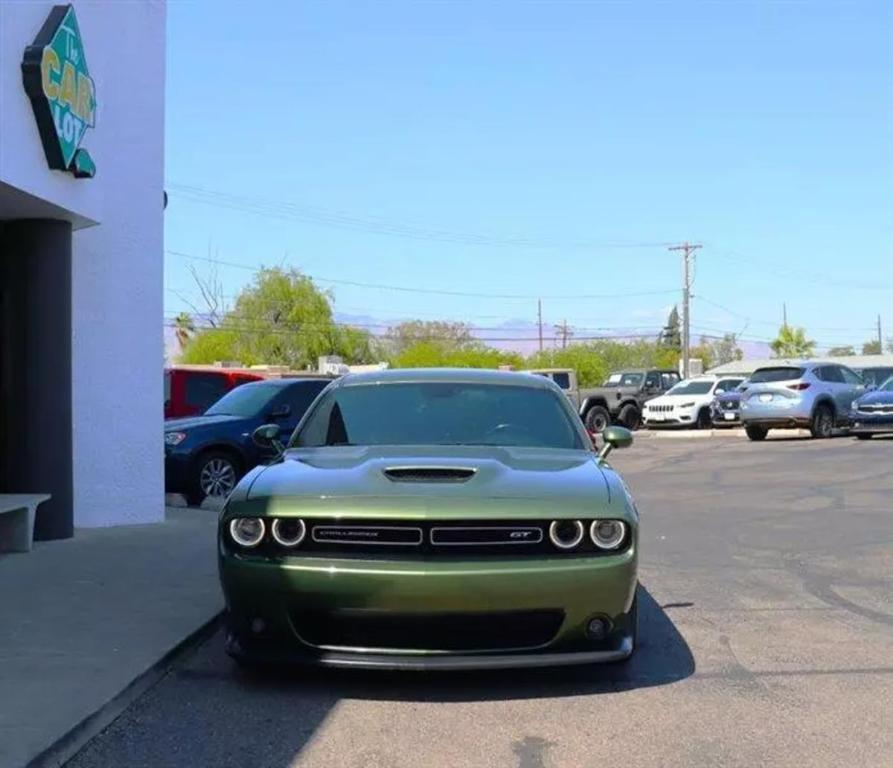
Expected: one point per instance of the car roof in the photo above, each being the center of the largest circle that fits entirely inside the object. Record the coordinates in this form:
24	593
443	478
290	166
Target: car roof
287	380
446	376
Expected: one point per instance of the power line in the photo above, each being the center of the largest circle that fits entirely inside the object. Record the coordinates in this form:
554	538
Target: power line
431	291
378	225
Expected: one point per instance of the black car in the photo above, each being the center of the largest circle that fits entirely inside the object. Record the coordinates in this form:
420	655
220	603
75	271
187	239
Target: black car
206	455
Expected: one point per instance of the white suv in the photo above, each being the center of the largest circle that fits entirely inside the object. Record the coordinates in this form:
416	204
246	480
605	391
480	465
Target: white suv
688	403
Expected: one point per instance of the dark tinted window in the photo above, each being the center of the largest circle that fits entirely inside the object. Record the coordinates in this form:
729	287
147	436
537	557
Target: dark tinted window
563	380
204	389
830	373
299	396
768	375
246	400
728	385
876	376
652	380
167	387
849	376
431	413
624	380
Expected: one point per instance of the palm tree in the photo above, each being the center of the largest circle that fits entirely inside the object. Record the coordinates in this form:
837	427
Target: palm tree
183	328
792	342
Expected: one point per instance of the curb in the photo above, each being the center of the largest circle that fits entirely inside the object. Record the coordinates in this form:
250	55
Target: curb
72	742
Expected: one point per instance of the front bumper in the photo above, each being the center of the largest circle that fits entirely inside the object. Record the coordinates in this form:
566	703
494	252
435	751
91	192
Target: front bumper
870	424
176	470
675	418
283	594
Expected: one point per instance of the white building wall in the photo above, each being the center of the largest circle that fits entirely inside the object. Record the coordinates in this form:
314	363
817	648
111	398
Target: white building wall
117	283
117	291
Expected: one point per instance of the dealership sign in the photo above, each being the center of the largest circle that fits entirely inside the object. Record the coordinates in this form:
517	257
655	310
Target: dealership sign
62	93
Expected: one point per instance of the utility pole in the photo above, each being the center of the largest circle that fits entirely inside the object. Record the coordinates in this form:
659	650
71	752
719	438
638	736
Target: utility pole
784	315
563	330
880	337
539	314
687	250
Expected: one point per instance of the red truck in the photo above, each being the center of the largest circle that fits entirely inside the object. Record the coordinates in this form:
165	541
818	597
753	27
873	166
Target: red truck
189	390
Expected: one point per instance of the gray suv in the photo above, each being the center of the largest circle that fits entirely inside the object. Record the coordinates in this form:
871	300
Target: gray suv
814	395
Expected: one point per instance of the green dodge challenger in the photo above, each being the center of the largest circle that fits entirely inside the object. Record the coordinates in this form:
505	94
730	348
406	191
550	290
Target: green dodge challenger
433	519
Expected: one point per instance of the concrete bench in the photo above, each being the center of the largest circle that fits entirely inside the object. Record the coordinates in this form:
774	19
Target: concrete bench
17	513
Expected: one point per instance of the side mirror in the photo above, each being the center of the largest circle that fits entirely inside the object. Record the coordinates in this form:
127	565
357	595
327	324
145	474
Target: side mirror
267	436
719	392
615	437
281	412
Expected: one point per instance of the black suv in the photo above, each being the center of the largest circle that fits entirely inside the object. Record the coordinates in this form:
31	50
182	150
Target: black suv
620	399
206	455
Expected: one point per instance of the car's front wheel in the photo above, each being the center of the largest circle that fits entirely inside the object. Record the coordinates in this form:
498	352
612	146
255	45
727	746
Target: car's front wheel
630	417
822	422
704	420
756	433
597	419
215	475
863	435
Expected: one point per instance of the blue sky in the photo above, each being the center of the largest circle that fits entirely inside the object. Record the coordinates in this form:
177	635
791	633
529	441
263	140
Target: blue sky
508	148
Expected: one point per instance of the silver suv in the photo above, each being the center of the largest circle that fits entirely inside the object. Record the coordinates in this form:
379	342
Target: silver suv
814	395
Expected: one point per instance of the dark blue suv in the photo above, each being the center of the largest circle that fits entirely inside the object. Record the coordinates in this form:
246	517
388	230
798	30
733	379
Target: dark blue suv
206	455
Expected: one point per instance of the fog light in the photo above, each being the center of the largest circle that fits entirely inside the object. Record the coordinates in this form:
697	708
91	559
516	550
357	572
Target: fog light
566	534
598	628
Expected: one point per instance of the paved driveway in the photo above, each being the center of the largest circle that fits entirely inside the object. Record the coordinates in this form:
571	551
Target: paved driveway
767	639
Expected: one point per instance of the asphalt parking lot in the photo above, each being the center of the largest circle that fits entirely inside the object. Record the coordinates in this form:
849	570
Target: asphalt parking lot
766	639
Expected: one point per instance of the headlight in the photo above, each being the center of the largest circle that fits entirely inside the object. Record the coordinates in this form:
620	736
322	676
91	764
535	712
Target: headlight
174	438
288	531
566	534
688	405
607	534
247	531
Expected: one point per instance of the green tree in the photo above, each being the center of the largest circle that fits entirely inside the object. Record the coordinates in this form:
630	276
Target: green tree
281	318
792	342
726	349
671	335
847	351
871	347
412	332
434	353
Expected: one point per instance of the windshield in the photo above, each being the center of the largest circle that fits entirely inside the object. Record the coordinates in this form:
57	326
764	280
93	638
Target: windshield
887	386
167	388
625	380
876	376
769	375
245	400
432	413
692	388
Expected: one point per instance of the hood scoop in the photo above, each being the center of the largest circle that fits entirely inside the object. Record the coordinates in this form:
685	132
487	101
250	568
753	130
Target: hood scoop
428	474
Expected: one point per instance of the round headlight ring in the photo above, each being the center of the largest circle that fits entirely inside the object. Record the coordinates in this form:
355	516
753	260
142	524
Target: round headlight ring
615	537
566	544
282	537
247	532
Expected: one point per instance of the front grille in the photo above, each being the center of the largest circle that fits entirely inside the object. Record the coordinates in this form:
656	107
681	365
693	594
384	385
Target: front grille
502	630
728	405
878	408
661	408
425	540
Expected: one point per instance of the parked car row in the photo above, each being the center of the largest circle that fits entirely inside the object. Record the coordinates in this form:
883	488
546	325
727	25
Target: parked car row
818	396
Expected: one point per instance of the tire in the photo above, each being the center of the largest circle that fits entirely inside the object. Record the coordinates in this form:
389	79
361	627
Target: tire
215	474
597	419
704	419
756	433
863	435
630	417
194	498
822	424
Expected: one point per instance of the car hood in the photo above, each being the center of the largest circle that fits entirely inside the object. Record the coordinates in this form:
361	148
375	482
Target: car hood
729	397
876	398
480	481
195	422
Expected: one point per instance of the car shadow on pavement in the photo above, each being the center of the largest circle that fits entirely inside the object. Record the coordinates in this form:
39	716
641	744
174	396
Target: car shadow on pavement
663	657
